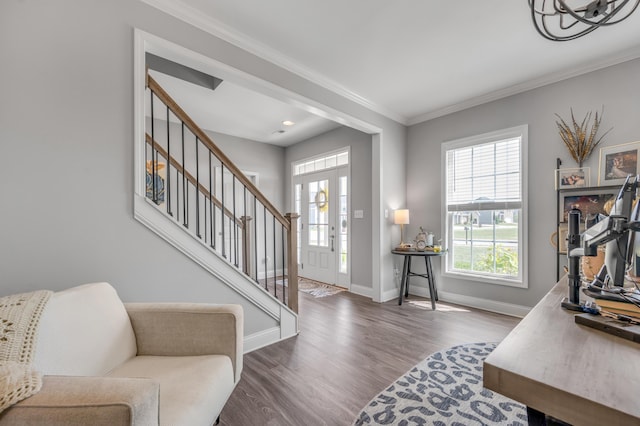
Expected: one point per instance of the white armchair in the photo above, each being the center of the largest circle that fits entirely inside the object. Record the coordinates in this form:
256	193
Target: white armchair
107	363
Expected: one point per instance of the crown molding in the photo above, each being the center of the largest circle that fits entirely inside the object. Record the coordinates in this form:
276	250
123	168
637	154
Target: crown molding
625	56
194	17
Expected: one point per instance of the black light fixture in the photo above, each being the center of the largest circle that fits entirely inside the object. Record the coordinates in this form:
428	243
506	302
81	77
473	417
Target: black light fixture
557	21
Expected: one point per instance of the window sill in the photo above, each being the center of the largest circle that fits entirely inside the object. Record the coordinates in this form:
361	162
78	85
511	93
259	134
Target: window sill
486	279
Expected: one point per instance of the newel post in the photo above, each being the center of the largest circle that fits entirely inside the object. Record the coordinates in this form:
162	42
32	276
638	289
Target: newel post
292	260
246	245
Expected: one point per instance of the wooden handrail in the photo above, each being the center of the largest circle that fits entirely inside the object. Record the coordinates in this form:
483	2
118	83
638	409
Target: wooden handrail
193	180
206	140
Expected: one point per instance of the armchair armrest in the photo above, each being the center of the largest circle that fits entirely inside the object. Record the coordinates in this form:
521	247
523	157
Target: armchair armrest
100	401
183	329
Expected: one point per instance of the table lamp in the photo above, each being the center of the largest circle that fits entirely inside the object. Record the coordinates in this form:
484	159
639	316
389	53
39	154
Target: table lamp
401	217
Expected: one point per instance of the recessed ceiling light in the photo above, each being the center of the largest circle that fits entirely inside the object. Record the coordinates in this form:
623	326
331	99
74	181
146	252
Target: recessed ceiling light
288	123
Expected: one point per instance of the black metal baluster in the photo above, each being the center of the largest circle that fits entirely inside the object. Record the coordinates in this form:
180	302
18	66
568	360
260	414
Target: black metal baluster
211	206
167	191
146	154
197	190
177	192
255	233
235	223
204	205
224	253
284	293
154	194
185	188
215	213
264	221
245	252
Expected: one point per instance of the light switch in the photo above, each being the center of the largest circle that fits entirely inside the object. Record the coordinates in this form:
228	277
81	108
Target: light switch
358	214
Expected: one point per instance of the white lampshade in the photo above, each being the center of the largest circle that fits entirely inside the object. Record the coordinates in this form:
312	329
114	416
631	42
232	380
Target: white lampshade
401	217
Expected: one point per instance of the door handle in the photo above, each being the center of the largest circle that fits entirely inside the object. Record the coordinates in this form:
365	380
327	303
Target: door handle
332	237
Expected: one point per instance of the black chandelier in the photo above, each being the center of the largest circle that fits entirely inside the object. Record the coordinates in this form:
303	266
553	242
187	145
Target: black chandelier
557	21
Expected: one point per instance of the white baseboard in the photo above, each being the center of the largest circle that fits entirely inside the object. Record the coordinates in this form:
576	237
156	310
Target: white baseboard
361	290
261	339
390	294
475	302
270	336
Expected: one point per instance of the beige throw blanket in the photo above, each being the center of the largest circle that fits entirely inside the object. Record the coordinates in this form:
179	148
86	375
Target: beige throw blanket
19	319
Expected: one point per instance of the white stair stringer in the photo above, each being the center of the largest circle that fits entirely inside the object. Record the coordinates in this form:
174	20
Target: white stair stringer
160	223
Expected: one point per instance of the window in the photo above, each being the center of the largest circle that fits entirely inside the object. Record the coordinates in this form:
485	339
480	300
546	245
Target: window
485	207
328	161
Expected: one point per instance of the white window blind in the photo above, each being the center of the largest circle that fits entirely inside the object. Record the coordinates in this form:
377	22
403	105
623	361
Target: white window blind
484	177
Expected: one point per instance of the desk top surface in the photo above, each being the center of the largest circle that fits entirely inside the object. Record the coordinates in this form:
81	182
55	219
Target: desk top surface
569	371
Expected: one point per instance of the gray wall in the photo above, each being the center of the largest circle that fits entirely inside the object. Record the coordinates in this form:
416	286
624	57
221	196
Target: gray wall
360	159
66	141
615	87
262	158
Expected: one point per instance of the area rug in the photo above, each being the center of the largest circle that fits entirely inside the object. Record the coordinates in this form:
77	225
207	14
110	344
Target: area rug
444	390
316	288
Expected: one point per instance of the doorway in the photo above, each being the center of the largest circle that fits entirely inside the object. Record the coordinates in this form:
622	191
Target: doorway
321	198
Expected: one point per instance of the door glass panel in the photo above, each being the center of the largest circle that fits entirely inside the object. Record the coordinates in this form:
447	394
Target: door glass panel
343	218
319	213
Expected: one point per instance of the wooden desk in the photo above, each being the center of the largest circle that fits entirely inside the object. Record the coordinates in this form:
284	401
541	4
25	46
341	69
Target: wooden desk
568	371
407	273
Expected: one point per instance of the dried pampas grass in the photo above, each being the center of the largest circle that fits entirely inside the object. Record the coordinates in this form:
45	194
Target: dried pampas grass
579	139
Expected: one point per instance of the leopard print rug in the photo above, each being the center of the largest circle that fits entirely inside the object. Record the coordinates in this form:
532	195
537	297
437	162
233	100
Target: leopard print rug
444	390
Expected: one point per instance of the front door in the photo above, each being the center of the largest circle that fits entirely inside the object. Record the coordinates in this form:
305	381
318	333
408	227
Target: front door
318	252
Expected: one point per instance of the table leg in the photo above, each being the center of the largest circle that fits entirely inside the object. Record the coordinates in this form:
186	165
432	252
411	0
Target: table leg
433	279
432	292
538	418
406	284
535	417
402	279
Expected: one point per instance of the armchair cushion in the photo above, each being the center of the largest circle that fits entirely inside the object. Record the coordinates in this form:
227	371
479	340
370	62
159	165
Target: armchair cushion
193	389
84	331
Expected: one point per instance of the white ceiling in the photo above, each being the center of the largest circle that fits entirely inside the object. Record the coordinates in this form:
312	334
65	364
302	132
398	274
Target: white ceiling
410	60
235	110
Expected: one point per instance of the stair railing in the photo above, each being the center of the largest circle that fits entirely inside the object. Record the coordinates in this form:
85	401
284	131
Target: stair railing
200	188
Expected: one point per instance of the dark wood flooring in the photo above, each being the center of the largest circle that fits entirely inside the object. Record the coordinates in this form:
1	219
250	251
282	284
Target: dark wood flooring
349	349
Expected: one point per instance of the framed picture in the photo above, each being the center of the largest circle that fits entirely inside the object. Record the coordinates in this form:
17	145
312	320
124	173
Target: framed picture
617	162
573	178
590	201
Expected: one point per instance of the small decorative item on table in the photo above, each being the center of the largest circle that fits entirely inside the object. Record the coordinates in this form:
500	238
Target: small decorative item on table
421	240
424	240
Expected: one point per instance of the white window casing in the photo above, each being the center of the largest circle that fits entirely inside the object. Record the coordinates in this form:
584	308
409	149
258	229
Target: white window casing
484	207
